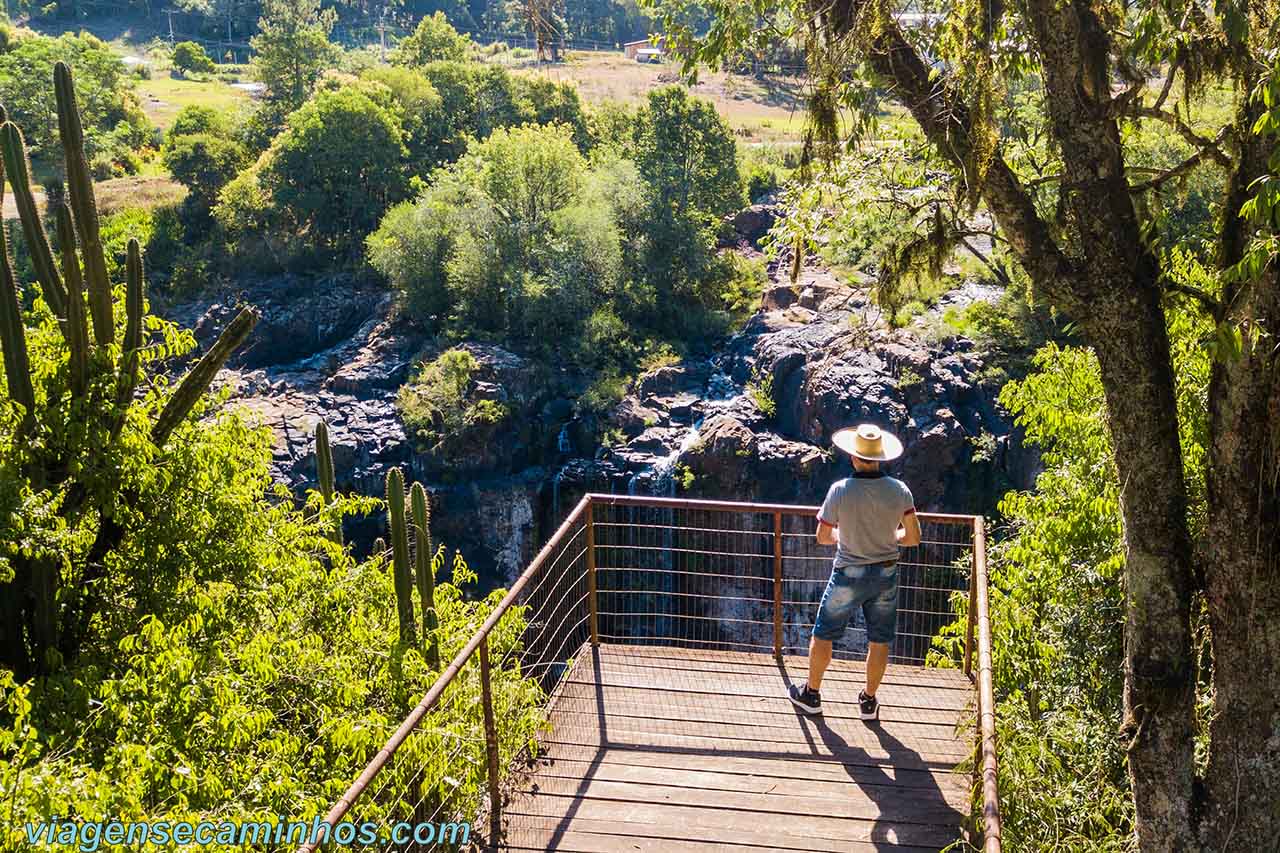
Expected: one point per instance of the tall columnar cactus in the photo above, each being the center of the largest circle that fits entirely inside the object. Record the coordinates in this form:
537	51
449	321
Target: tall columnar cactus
326	476
401	573
38	615
423	553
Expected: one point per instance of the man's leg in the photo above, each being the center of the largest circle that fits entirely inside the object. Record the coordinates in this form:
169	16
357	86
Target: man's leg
819	660
877	659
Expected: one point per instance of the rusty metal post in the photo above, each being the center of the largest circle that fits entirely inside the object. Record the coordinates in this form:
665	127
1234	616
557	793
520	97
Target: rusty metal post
591	573
971	621
777	585
491	747
986	696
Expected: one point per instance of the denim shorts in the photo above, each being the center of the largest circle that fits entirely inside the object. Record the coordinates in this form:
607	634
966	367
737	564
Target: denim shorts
874	587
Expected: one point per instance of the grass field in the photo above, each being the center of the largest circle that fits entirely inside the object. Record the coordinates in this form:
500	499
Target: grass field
758	111
163	96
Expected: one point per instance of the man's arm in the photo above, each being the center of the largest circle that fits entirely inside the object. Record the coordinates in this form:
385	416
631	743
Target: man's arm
827	534
909	530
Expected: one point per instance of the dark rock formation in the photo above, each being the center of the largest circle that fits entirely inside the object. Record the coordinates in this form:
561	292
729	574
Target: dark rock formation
753	422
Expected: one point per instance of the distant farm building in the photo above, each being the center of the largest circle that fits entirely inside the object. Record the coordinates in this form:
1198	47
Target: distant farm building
645	50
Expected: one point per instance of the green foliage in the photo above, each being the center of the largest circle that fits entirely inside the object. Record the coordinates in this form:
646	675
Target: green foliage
292	49
1057	601
760	390
82	457
181	717
189	56
198	118
328	177
204	164
433	39
687	155
423	123
439	412
515	238
114	123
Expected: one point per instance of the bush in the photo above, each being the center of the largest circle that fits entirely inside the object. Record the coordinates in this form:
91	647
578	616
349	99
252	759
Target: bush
438	412
188	56
197	118
514	239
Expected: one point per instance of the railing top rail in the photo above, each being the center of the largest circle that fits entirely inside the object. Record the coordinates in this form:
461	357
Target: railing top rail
748	506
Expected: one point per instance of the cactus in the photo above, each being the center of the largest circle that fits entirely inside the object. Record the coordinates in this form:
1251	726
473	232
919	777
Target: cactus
326	476
84	205
77	328
18	170
80	281
401	573
425	576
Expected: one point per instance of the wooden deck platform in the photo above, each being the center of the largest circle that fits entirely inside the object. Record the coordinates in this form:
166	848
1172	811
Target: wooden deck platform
668	749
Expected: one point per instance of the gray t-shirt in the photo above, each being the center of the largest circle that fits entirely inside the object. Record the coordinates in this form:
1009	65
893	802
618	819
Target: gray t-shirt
868	509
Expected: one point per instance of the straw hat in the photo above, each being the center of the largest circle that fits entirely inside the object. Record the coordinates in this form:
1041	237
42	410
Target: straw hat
868	441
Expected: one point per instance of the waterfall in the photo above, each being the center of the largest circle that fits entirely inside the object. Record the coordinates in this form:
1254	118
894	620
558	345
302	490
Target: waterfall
563	444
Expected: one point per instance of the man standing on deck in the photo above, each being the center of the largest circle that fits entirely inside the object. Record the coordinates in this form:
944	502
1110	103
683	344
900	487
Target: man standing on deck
867	517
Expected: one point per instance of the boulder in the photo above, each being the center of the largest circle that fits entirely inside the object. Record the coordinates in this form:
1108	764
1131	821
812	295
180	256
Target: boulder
753	223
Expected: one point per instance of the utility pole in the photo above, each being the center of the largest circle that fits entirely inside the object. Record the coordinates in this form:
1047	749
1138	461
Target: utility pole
169	12
382	36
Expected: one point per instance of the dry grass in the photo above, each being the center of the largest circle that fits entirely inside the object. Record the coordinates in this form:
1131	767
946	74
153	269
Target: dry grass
145	192
758	111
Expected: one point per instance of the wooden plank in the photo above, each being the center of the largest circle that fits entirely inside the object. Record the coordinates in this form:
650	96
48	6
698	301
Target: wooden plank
713	683
726	661
958	693
669	749
715	746
583	716
760	710
581	835
819	768
893	806
871	789
706	822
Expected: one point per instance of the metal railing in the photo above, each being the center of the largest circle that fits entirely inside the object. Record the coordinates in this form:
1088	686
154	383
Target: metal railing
642	570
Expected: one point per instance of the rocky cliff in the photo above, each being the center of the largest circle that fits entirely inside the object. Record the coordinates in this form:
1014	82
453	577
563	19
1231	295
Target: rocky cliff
750	422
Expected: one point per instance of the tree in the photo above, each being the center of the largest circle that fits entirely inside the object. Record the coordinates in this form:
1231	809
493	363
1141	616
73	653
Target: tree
433	39
189	56
80	449
1074	213
111	115
686	153
517	237
197	118
425	126
333	171
204	164
292	48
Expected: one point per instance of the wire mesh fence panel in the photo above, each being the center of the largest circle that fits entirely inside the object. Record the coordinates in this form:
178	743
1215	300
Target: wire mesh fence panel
928	574
680	576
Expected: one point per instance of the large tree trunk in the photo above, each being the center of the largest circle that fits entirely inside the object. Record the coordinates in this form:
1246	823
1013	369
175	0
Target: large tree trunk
1159	692
1242	572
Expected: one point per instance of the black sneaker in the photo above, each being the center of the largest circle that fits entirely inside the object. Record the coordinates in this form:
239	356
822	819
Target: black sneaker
806	700
868	706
